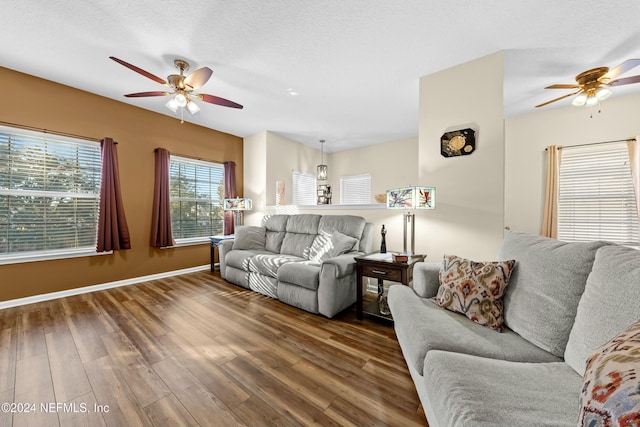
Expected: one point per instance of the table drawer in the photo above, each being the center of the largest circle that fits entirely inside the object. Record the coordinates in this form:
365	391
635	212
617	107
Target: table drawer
382	273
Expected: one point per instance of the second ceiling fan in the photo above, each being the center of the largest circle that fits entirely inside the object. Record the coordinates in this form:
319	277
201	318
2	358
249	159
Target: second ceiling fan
181	86
593	85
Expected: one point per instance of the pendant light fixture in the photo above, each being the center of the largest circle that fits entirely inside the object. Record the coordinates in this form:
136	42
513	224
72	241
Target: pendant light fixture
322	168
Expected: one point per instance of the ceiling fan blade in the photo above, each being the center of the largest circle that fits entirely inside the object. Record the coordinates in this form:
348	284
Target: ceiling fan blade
558	99
625	81
143	94
622	68
140	71
563	86
198	78
217	100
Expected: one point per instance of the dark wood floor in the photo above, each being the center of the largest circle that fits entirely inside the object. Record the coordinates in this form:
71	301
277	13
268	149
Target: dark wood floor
194	350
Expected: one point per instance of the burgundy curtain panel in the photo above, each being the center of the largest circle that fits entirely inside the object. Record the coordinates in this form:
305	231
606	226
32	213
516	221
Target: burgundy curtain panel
161	235
229	193
113	232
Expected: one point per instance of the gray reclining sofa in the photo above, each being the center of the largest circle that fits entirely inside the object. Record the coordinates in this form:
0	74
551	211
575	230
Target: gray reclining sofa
306	260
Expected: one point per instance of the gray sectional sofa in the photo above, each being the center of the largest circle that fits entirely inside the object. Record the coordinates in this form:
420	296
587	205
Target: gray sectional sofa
306	261
563	301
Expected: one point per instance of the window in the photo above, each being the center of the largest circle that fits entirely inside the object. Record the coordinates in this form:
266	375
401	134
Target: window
304	188
355	189
596	200
49	195
197	191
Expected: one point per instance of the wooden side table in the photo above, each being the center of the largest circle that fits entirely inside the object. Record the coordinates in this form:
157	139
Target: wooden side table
381	267
215	241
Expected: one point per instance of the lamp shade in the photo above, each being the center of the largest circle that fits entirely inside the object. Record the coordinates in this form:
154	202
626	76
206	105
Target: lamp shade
237	204
411	198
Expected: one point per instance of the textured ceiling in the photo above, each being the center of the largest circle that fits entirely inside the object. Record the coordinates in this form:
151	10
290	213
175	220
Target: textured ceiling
355	64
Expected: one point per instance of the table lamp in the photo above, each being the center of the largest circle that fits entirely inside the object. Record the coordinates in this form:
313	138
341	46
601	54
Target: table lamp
409	199
238	205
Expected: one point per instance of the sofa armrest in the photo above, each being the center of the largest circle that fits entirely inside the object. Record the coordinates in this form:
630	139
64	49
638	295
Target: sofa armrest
343	265
224	248
425	279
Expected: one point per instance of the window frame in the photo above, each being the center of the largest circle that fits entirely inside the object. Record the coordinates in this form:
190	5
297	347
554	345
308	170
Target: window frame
596	199
300	194
63	145
352	182
195	240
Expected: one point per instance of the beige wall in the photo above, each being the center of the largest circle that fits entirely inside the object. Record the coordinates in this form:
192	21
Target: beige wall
468	219
255	173
391	164
284	156
270	157
43	104
527	137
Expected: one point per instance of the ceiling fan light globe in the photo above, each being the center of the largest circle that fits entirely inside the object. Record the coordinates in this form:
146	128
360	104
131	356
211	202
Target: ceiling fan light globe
172	105
579	100
603	93
181	100
193	107
591	101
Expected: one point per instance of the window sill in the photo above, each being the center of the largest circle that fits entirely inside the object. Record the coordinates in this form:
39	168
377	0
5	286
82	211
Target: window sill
190	242
49	255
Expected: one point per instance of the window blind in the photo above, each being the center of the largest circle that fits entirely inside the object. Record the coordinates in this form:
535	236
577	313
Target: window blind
355	189
196	193
49	192
596	198
304	188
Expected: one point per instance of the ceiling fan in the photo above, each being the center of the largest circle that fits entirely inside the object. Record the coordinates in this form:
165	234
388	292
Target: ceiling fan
181	86
593	85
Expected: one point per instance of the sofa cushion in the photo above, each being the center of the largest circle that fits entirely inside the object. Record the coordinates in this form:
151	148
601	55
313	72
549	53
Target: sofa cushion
263	284
326	245
276	226
541	300
421	326
470	391
609	303
249	237
301	231
349	225
305	274
240	258
268	264
611	391
474	289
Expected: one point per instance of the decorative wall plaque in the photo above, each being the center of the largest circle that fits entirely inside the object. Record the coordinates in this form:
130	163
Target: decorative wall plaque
458	143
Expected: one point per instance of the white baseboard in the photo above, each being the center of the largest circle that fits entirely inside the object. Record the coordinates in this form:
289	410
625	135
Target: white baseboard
100	287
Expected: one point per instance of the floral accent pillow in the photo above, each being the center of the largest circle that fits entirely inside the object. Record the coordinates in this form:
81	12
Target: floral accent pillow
611	388
474	289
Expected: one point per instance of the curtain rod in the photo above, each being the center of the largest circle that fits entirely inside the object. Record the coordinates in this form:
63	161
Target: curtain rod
596	143
52	132
155	150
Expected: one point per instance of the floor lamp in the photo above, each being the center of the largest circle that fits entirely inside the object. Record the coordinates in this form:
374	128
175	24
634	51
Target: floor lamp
410	199
238	205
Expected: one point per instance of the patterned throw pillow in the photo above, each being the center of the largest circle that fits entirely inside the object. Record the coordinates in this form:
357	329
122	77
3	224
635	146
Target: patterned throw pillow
611	389
474	289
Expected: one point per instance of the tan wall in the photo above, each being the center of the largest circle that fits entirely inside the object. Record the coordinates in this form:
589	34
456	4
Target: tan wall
43	104
468	219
